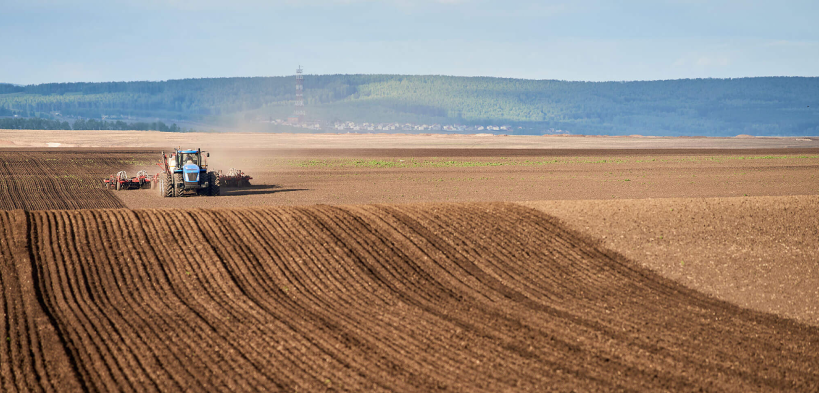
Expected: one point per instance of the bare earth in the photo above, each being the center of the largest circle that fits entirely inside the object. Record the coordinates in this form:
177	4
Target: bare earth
424	297
164	140
422	175
635	250
739	224
758	252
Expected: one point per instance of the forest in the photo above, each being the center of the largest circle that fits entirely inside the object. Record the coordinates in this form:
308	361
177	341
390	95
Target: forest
36	123
775	106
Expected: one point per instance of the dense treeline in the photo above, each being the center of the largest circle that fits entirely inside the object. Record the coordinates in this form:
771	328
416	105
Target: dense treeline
757	106
33	123
36	123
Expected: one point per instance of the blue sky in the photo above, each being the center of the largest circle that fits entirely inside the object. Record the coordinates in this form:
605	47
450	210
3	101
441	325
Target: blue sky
115	40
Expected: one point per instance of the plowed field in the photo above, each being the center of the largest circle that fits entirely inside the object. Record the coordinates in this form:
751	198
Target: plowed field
41	180
461	297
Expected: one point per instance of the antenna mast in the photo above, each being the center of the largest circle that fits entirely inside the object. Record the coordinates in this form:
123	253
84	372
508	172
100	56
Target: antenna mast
299	112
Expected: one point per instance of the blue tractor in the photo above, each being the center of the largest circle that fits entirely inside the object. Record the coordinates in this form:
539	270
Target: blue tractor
185	173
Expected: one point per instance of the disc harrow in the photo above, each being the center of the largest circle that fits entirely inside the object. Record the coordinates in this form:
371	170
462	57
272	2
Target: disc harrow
235	178
121	181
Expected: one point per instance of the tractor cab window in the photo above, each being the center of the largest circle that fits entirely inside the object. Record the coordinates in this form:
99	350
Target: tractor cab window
189	158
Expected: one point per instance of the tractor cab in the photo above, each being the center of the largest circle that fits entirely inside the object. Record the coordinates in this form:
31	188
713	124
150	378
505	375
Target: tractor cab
189	159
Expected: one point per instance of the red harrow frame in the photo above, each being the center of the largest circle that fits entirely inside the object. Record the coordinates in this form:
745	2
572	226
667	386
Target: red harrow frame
234	178
121	181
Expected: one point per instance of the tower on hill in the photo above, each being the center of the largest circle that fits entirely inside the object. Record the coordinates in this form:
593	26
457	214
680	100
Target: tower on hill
299	112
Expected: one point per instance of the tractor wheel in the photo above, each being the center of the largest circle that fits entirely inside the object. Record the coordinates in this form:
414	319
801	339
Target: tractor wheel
177	178
167	186
214	184
119	185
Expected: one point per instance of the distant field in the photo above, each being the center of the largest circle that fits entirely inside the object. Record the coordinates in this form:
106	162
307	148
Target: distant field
477	175
289	142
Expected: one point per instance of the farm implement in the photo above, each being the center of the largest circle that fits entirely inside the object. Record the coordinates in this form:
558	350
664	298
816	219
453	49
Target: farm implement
235	178
121	181
183	173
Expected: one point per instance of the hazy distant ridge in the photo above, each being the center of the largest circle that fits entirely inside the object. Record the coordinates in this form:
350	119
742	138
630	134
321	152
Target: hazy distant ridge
756	106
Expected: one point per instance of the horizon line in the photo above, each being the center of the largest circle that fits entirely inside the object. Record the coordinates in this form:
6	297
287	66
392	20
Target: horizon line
419	75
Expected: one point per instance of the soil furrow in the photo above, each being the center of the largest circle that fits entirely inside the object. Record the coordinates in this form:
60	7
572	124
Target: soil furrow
349	307
187	327
83	342
50	180
241	270
432	307
299	278
571	322
130	347
188	270
746	376
342	298
113	294
457	297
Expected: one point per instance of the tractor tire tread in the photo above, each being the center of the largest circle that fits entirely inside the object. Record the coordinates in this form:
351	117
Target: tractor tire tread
214	184
177	178
168	185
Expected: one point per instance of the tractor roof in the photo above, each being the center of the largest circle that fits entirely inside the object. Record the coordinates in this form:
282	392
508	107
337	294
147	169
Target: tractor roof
189	151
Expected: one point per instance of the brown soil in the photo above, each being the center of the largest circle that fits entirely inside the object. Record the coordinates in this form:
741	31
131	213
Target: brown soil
411	176
758	258
70	178
32	352
758	252
40	180
163	140
482	297
469	297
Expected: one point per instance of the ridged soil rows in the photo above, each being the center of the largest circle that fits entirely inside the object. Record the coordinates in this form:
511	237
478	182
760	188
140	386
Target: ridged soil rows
460	297
46	180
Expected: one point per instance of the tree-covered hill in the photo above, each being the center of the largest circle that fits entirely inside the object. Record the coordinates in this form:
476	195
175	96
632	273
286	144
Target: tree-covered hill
725	107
